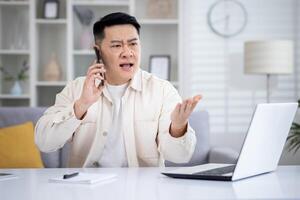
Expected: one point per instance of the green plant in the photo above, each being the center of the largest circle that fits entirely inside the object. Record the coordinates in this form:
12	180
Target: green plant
21	75
294	136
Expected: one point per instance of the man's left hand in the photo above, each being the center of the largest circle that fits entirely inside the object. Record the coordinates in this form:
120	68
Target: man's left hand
180	115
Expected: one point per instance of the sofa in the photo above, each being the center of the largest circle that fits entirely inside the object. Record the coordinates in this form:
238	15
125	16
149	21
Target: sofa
199	120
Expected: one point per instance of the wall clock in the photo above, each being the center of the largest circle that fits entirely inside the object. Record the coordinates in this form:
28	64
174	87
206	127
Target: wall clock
227	18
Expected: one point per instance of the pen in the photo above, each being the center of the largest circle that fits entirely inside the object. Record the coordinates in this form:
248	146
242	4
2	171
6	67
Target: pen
66	176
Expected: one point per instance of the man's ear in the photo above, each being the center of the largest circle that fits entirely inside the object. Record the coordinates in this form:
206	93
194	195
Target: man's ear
97	46
99	49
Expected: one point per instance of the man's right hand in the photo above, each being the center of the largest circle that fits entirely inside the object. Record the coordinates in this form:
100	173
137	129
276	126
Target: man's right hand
90	93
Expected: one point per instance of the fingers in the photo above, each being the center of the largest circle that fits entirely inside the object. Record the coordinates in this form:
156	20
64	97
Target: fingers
177	108
196	99
95	65
94	75
98	76
186	110
183	106
96	71
188	105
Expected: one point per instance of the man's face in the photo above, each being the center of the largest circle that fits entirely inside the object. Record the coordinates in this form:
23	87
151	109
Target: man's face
121	52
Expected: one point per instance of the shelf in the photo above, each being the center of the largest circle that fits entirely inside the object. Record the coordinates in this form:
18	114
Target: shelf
9	96
14	3
13	52
100	3
51	83
51	21
158	21
83	52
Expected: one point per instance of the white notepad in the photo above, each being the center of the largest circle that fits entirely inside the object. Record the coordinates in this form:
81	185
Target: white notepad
84	178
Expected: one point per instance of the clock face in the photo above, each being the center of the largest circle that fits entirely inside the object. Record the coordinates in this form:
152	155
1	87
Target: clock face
227	18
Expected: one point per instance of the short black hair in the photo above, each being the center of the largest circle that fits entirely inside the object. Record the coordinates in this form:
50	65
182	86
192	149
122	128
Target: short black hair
117	18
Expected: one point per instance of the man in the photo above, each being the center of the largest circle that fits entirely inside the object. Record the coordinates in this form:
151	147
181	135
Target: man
134	119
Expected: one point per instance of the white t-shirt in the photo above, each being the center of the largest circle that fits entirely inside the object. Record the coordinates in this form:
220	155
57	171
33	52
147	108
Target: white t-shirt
114	152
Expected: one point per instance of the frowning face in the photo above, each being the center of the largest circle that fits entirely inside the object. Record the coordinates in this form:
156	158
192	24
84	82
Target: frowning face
121	52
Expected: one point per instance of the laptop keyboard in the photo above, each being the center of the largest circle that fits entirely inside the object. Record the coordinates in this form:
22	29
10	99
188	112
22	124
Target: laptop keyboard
217	171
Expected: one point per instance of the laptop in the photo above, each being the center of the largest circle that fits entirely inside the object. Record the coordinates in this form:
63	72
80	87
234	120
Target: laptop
261	149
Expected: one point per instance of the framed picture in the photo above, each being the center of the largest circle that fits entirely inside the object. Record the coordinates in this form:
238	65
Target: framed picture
160	66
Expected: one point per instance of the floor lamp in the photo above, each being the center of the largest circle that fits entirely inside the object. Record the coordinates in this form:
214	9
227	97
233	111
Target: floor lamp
268	58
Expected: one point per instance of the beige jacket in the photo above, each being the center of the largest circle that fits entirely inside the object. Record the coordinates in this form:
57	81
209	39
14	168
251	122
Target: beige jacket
147	103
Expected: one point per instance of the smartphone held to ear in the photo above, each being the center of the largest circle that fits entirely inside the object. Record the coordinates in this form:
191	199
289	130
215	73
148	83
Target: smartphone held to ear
99	82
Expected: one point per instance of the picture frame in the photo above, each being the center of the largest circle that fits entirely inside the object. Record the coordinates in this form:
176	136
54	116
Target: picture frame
160	66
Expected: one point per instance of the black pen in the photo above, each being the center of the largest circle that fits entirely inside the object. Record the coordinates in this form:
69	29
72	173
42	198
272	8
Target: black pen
66	176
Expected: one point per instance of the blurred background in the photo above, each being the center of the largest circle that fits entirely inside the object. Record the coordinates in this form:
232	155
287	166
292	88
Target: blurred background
236	53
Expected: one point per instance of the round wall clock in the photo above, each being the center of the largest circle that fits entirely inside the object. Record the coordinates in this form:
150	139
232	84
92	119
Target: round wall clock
227	18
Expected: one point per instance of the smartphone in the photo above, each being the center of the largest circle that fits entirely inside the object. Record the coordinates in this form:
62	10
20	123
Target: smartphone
98	57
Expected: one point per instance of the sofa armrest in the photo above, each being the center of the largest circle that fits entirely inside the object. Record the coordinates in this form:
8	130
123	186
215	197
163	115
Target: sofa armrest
222	155
51	159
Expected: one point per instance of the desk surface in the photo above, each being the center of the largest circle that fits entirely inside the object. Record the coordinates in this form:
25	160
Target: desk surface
148	183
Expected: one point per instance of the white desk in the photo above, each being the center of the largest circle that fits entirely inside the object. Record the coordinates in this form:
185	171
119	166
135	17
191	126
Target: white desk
148	183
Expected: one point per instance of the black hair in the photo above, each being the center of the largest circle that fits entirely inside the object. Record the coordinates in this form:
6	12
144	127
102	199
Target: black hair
117	18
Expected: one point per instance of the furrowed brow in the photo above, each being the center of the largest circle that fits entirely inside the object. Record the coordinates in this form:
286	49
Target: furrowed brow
132	40
115	41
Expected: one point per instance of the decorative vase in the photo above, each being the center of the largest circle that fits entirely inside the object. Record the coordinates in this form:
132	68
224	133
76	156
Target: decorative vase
52	71
16	89
86	38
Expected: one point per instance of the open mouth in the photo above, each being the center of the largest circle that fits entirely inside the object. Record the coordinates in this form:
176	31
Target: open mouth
126	65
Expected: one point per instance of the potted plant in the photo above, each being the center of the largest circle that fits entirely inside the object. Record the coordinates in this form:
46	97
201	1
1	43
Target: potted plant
294	136
20	76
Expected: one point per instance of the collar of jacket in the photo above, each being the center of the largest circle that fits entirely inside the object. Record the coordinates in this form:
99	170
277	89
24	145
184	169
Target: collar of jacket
135	83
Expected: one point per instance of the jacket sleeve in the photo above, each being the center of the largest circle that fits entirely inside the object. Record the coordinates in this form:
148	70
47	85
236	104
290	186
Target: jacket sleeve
59	122
177	150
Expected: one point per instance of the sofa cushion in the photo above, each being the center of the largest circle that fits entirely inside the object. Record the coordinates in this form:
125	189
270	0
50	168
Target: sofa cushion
17	115
17	147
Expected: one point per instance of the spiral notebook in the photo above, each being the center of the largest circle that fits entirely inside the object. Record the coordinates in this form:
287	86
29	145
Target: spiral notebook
85	178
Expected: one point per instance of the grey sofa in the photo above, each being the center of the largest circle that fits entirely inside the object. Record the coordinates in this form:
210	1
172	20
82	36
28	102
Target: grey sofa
198	120
204	153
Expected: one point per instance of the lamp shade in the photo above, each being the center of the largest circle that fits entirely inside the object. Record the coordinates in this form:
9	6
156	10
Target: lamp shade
269	57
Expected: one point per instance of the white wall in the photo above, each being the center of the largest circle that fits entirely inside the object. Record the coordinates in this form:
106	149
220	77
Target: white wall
214	67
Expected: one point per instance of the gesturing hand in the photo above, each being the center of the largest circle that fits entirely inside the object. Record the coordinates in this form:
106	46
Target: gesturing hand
180	115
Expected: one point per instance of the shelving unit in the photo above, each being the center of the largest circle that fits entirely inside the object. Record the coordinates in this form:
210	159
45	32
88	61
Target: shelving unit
62	37
14	50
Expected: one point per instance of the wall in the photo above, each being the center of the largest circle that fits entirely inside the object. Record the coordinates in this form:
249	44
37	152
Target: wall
213	66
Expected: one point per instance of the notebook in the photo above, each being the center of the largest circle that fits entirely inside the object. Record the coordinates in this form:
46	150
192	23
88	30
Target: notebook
84	178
